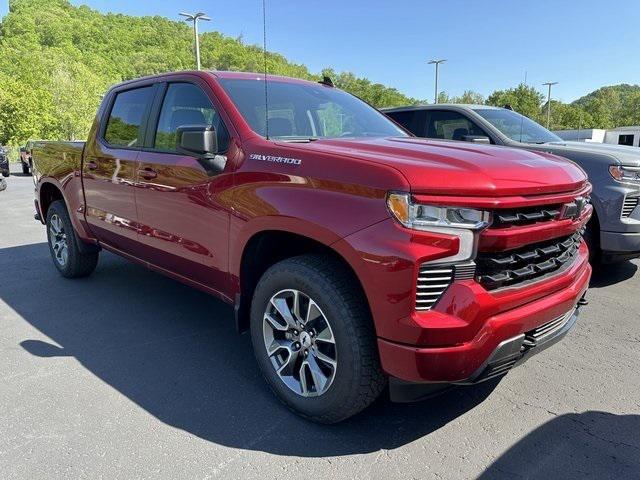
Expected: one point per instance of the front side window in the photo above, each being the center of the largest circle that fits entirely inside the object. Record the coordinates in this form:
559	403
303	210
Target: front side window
186	104
406	118
517	127
301	110
449	125
125	119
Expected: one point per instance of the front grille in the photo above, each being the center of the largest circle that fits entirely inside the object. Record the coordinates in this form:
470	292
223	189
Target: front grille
525	216
433	281
630	204
497	270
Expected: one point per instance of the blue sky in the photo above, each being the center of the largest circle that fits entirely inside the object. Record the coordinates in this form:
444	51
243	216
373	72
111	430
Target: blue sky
583	44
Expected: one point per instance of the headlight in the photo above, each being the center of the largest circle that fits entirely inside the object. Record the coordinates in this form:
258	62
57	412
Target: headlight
625	173
432	217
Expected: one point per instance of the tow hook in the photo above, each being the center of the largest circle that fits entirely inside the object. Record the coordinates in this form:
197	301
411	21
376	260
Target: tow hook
583	301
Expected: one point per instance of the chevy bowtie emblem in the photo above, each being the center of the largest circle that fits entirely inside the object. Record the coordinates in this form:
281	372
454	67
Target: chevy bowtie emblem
573	209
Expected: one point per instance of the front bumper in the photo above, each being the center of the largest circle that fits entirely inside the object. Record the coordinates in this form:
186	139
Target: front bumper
619	245
507	355
500	334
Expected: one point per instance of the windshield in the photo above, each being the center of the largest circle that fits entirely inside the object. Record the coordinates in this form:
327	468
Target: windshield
306	111
517	127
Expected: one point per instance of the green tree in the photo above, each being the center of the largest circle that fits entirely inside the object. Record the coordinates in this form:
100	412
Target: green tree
469	97
523	99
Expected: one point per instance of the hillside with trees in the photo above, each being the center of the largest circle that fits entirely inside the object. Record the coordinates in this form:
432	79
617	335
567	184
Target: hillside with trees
56	61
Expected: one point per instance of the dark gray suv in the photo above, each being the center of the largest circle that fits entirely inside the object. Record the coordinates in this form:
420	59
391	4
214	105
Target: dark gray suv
614	231
4	162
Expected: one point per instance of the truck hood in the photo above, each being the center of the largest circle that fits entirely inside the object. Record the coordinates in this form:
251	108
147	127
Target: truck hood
623	154
456	168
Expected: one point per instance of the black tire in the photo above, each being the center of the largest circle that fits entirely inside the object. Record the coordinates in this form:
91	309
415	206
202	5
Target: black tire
25	169
358	379
77	264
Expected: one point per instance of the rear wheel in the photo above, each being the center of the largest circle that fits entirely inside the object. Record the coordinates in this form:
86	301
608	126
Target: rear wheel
63	244
313	339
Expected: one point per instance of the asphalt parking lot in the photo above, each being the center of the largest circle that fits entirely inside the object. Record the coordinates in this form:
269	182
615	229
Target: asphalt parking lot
128	374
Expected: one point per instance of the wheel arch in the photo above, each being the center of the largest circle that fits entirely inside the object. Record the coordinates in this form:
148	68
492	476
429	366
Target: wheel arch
266	248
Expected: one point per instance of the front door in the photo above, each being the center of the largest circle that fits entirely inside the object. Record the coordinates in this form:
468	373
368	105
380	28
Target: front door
182	225
110	166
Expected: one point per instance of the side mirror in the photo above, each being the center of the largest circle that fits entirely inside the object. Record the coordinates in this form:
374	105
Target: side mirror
201	141
477	139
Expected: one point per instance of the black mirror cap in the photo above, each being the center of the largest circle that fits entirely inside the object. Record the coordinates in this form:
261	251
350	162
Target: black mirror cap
201	141
197	140
477	139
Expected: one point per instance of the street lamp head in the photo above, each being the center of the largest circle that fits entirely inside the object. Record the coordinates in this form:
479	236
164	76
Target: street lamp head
436	62
189	17
549	84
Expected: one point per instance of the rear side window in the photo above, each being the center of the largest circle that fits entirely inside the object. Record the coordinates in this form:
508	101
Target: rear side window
126	117
187	104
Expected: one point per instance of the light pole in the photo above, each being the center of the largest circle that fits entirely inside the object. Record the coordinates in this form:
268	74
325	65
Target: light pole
436	63
549	84
188	17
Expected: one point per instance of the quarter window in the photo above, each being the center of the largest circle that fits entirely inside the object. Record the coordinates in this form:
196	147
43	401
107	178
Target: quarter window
127	114
186	104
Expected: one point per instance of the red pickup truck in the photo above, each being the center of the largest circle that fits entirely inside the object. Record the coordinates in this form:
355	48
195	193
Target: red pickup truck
356	255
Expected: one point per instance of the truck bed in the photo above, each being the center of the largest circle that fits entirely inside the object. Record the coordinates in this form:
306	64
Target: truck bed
56	159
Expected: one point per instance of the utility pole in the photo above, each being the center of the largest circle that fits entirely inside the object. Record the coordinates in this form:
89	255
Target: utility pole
189	17
437	64
549	84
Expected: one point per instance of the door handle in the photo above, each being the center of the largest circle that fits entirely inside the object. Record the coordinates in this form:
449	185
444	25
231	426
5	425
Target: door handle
92	166
148	173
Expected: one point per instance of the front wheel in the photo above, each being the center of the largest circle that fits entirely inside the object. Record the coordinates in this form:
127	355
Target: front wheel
313	339
63	244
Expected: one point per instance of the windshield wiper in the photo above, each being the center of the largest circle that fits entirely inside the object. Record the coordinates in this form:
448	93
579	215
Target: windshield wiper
294	139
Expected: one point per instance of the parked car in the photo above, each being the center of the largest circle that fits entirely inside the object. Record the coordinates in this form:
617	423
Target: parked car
4	162
356	255
26	157
614	231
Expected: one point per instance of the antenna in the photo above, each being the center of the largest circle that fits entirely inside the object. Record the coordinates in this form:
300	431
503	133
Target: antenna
264	51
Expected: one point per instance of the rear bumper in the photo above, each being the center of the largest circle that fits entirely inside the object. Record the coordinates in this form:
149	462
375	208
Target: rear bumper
498	345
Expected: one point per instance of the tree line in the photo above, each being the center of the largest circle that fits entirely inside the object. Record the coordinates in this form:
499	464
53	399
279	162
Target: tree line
56	61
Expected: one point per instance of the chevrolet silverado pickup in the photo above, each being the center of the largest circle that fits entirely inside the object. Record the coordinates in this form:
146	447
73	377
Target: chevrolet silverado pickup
613	234
356	255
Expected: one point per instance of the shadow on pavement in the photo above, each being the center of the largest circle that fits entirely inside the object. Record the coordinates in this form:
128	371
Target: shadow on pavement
597	445
606	275
174	352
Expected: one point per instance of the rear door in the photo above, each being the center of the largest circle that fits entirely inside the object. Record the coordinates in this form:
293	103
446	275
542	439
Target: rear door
182	224
110	166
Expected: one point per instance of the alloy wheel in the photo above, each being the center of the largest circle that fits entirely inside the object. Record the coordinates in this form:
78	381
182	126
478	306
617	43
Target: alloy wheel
58	240
300	343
